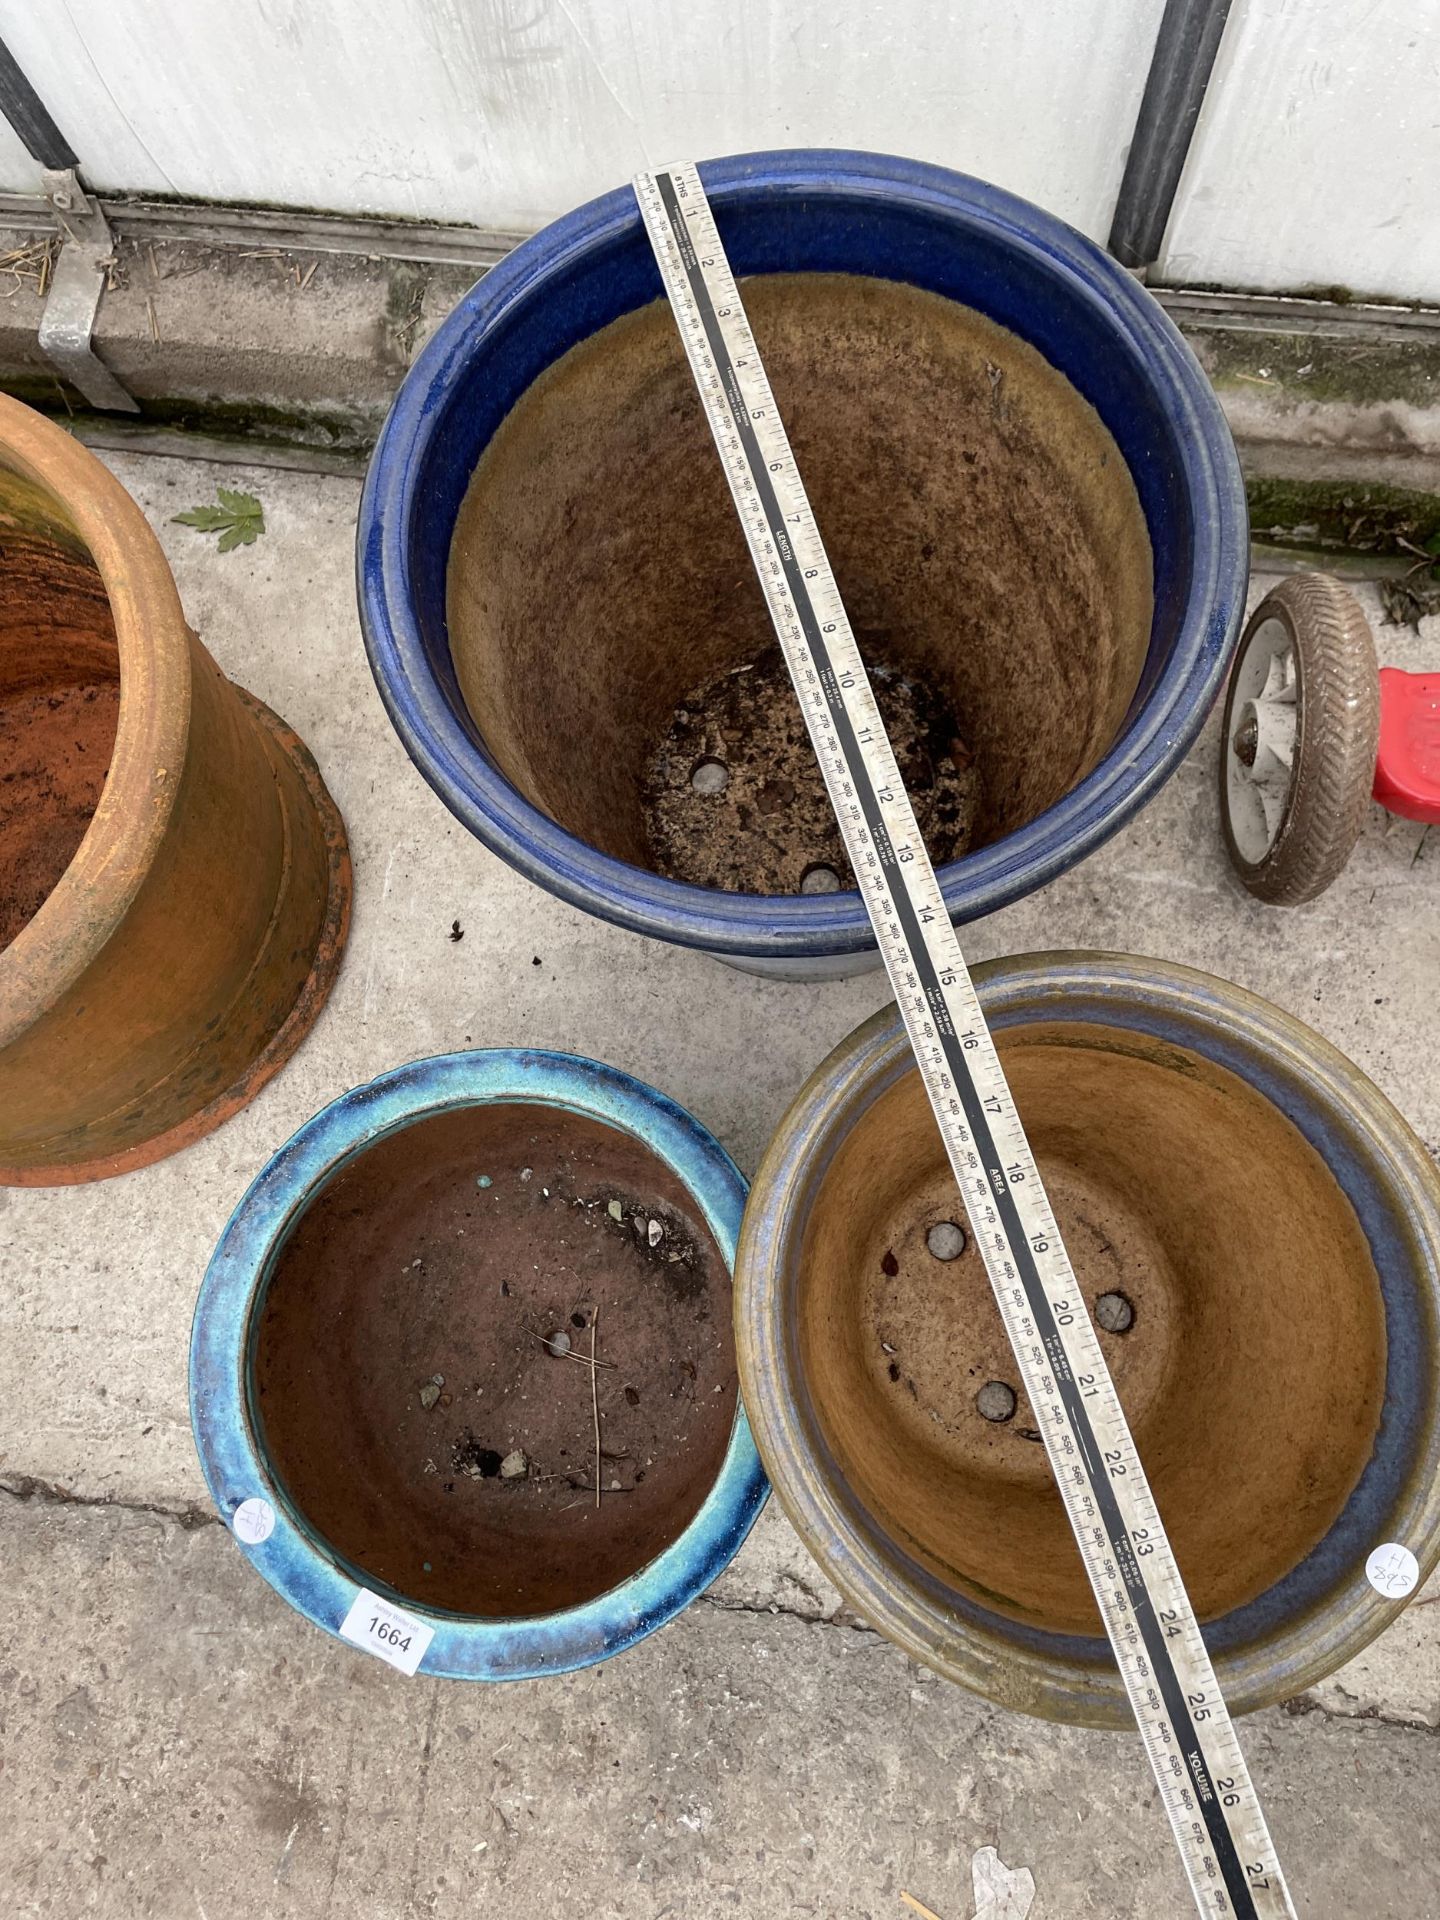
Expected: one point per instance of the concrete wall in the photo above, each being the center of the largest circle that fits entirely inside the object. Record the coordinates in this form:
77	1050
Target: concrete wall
1315	163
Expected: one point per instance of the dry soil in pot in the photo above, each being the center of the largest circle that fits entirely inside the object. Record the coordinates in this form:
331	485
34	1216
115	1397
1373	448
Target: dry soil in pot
59	703
420	1376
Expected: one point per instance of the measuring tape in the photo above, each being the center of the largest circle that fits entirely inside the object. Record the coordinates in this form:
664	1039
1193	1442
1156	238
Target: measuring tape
1218	1825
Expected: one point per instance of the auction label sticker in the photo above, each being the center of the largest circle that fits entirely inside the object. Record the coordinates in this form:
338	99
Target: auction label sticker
1393	1570
253	1521
391	1634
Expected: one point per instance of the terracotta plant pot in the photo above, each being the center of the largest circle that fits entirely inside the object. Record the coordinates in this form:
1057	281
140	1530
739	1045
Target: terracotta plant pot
1024	481
1257	1233
391	1352
174	878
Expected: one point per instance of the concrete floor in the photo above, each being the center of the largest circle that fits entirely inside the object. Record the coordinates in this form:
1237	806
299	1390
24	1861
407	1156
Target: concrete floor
177	1743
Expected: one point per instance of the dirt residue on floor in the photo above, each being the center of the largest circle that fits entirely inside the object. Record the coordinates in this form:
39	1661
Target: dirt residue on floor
422	1367
759	820
55	748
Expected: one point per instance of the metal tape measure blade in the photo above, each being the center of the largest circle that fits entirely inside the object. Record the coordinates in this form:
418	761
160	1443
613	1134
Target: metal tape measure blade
1214	1813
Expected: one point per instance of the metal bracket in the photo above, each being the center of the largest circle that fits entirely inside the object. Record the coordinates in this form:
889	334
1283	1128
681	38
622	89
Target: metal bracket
86	252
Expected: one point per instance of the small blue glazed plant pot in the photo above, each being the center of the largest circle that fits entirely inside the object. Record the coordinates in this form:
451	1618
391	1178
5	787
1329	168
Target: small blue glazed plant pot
1255	1232
462	1374
1023	478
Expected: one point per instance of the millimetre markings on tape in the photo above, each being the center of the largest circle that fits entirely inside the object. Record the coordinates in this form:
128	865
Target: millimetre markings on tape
1218	1825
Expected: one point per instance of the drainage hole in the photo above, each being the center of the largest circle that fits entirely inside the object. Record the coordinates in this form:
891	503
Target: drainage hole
818	878
995	1401
946	1240
709	776
1114	1313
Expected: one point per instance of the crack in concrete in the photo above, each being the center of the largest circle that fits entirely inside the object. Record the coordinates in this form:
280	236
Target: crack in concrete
776	1609
1303	1707
26	1488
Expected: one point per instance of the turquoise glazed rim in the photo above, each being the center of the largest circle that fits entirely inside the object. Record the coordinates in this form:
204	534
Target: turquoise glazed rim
1320	1614
296	1562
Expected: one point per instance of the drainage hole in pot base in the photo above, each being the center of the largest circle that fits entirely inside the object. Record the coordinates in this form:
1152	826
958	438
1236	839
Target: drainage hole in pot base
946	1240
734	796
1114	1313
995	1401
421	1376
709	776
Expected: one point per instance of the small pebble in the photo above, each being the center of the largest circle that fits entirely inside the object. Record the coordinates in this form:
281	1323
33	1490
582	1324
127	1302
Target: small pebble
615	1210
482	1180
559	1342
614	1484
657	1233
525	1172
514	1466
429	1394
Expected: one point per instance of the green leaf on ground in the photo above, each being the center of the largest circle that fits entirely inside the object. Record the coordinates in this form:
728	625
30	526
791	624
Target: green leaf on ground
239	519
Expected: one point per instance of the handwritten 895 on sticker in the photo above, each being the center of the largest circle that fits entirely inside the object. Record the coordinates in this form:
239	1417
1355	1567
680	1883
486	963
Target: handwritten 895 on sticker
387	1631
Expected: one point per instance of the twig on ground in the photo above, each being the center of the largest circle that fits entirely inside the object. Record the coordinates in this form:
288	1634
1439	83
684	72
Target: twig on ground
595	1401
569	1353
926	1913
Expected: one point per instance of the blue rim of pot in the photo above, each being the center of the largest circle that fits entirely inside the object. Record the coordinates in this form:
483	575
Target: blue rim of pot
899	219
1320	1614
294	1559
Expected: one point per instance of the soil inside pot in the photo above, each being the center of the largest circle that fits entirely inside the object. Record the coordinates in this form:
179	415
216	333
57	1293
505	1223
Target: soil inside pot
421	1376
735	797
59	700
1239	1308
55	749
983	527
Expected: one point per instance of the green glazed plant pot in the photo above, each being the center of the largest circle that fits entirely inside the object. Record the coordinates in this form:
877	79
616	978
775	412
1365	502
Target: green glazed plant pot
1256	1232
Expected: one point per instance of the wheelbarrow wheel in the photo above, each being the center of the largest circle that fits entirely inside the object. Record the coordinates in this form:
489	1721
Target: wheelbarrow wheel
1301	732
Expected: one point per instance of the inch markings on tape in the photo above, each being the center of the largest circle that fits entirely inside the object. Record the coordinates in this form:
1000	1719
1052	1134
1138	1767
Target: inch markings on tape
1214	1813
387	1631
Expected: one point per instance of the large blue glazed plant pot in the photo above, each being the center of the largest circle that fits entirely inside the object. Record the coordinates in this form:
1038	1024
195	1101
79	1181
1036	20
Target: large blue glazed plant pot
390	1374
1025	483
1256	1233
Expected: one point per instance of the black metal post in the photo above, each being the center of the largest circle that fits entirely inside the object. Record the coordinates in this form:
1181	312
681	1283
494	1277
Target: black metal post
29	116
1185	50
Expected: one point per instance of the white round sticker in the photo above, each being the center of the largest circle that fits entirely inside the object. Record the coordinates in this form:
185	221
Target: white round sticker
253	1521
1393	1570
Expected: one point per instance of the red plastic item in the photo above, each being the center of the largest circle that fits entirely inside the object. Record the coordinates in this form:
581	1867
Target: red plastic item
1407	767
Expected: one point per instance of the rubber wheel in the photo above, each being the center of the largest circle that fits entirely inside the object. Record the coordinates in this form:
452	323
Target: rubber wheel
1336	694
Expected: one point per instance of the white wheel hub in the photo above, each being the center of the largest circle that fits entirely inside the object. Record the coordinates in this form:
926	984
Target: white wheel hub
1260	750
